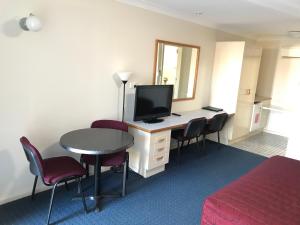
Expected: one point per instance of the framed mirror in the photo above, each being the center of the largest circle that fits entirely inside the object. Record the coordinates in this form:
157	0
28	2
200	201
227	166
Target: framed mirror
176	64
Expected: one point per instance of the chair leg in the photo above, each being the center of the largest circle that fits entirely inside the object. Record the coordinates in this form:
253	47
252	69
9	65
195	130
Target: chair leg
67	186
79	186
80	189
34	186
124	178
203	141
197	140
51	203
188	142
219	137
87	167
179	148
127	166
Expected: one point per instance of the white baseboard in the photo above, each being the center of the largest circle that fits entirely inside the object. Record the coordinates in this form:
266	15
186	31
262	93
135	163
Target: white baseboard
245	136
275	132
40	188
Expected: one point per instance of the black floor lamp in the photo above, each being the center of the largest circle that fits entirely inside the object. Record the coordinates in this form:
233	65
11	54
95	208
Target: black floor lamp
124	76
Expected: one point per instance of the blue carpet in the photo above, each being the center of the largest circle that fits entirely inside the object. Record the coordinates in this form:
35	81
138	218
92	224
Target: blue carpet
169	198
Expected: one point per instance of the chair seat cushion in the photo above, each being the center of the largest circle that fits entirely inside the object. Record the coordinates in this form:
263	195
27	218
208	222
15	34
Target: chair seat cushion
58	168
115	159
178	134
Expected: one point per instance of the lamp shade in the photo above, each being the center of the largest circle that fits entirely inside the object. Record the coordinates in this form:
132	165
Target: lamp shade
31	23
124	76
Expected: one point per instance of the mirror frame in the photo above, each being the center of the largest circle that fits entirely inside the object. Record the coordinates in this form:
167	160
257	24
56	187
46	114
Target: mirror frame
157	42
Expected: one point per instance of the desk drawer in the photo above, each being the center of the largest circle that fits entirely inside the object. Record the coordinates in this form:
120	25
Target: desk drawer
162	139
160	149
158	160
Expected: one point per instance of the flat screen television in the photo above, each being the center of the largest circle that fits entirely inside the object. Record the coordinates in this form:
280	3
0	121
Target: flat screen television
152	102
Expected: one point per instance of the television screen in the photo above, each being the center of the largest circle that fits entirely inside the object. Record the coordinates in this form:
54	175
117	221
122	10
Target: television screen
152	102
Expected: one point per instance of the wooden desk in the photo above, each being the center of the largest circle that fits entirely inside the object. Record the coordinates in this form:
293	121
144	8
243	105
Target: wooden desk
151	147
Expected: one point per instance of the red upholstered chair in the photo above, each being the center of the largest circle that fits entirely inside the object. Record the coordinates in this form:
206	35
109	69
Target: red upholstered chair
117	159
52	171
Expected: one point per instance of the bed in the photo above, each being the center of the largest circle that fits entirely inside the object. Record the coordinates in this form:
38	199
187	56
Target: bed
267	195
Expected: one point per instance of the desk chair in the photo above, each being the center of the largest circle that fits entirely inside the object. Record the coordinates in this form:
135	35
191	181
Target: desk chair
114	160
52	171
215	124
194	129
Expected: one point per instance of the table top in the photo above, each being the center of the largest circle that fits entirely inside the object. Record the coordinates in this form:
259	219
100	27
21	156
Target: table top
96	141
171	122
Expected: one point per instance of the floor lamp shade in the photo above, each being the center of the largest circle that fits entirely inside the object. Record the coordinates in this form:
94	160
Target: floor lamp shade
124	76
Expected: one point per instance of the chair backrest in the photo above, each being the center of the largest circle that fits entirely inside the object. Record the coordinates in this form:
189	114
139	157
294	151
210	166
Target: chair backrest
217	122
33	157
112	124
195	127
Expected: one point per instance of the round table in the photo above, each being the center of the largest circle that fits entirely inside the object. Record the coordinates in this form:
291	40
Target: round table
96	141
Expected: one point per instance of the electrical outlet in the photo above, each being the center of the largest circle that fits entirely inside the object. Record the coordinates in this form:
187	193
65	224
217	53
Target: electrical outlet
131	85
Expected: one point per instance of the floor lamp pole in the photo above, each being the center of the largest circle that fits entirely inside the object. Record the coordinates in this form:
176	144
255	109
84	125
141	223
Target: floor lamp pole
124	83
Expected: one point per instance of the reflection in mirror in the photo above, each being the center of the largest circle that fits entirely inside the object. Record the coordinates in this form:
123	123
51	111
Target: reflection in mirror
177	64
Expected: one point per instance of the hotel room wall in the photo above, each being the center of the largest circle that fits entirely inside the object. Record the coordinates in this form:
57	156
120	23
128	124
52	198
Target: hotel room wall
285	95
62	78
266	73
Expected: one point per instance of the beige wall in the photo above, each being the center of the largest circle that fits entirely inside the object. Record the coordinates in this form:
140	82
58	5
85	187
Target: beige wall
61	78
226	75
266	73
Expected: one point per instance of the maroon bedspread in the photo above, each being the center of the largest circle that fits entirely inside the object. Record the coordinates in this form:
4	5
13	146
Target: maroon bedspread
267	195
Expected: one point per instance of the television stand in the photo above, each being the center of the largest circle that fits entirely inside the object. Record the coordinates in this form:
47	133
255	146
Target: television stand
153	120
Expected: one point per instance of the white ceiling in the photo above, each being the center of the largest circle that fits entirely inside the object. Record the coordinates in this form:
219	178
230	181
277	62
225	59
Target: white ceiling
260	19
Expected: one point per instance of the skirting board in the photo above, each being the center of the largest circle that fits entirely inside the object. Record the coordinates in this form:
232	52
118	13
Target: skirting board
246	136
40	188
209	137
274	132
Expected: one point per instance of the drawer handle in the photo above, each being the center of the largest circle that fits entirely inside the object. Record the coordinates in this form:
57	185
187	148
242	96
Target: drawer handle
159	158
160	149
161	140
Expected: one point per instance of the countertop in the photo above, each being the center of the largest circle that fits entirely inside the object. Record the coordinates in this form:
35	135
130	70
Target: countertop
259	99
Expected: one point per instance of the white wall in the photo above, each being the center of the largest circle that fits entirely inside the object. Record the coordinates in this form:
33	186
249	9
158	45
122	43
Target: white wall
226	75
61	78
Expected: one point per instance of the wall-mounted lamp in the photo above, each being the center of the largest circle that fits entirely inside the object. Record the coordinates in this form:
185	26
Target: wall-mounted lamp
31	23
124	76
